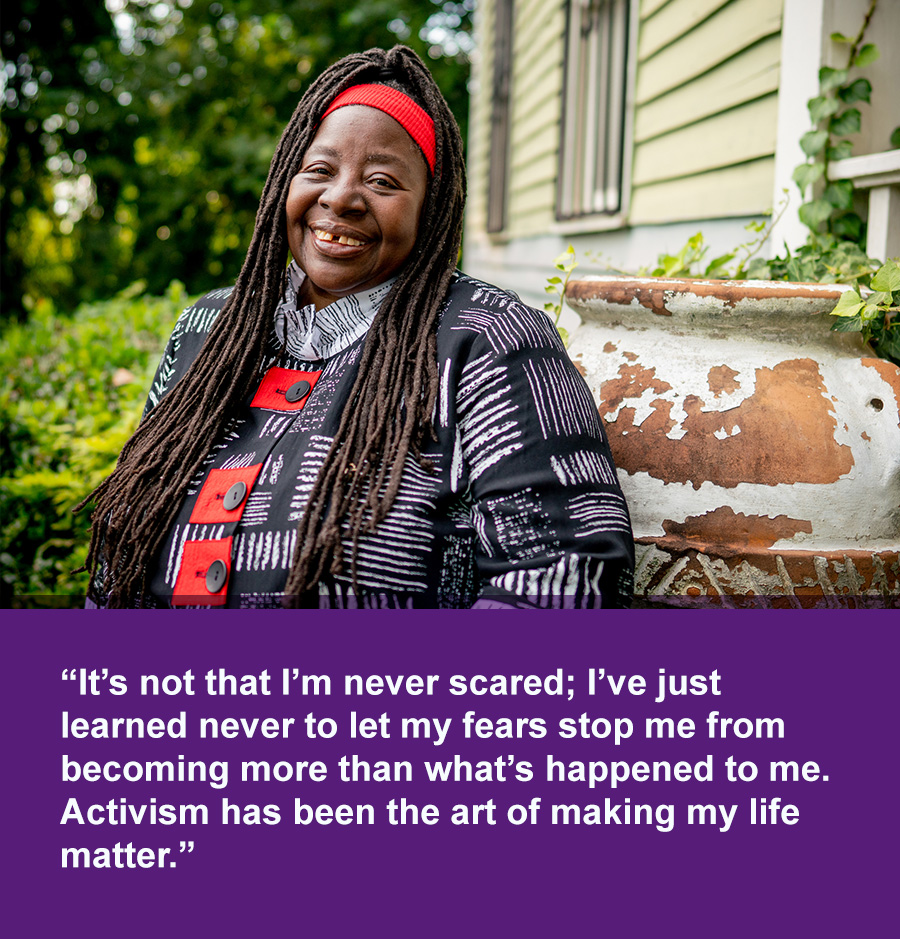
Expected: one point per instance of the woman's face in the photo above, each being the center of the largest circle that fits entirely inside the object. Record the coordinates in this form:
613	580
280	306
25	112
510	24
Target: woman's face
353	209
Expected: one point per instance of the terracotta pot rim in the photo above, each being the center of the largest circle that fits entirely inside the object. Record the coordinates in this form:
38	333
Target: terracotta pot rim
709	286
667	296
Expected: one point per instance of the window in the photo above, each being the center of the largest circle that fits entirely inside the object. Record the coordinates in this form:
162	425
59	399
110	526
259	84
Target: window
593	123
499	147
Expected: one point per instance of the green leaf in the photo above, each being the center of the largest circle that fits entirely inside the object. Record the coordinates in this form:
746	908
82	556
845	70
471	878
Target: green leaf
565	259
869	311
866	56
759	269
812	214
849	304
850	325
813	141
846	123
554	280
887	277
830	78
717	267
840	151
860	90
806	174
847	226
888	345
820	108
895	138
839	193
840	37
695	242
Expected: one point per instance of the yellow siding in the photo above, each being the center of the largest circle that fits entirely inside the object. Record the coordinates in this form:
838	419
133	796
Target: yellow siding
477	155
749	75
732	29
544	79
532	20
733	191
707	109
651	6
539	28
535	208
672	22
738	135
535	171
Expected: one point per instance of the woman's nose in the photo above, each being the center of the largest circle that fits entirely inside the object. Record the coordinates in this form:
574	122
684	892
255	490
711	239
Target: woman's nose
342	195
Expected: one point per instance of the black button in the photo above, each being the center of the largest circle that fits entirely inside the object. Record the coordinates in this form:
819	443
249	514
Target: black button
216	576
235	496
298	390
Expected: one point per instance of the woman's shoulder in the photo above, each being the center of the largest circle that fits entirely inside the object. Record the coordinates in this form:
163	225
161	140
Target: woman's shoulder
488	312
464	287
201	314
187	338
195	321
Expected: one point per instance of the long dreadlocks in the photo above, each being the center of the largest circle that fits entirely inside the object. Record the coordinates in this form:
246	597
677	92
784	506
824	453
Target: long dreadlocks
389	410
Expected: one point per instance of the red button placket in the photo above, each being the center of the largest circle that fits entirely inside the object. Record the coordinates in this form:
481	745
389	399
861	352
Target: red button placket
275	385
197	557
210	504
197	580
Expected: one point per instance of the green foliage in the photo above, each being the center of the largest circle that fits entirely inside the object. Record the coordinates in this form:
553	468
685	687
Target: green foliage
73	392
874	313
829	210
556	287
141	154
827	260
688	262
682	263
691	261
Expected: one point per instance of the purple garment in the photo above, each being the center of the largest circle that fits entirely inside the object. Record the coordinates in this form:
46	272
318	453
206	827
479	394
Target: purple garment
522	507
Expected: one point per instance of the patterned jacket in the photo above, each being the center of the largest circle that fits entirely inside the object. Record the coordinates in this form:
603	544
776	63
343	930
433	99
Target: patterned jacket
523	506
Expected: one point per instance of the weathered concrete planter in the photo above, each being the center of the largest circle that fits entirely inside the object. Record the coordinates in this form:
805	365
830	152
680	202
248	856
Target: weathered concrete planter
758	450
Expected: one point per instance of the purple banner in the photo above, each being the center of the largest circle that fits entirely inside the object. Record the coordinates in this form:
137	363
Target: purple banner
715	773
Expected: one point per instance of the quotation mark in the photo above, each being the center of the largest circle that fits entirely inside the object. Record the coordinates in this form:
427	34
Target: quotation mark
184	847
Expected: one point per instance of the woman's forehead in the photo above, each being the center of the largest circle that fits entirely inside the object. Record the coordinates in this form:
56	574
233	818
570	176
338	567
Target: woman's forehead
362	128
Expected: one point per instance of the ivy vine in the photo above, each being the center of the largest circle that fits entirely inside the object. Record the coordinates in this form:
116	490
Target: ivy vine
835	118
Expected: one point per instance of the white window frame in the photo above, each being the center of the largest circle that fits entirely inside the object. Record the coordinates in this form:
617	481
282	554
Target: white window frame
598	90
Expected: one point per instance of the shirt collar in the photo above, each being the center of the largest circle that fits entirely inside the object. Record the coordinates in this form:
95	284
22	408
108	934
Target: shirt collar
312	334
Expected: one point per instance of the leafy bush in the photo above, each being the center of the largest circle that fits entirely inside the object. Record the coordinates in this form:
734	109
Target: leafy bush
874	314
73	391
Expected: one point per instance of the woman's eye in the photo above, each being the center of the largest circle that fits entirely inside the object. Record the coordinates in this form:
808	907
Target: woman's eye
383	183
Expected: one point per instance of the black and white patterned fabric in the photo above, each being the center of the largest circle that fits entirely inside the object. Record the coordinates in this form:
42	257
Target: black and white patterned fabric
522	506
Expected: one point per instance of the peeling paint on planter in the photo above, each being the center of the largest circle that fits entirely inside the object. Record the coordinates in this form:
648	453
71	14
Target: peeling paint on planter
776	427
758	450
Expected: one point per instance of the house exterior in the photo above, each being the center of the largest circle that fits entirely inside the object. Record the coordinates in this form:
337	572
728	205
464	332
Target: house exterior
759	452
623	127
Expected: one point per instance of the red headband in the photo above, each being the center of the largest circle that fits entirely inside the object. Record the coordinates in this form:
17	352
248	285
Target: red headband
414	120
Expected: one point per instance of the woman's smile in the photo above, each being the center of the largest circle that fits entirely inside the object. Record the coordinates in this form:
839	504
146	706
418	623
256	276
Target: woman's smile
330	237
353	209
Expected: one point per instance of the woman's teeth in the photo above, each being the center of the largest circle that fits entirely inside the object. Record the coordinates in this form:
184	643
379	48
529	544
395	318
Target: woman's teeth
341	239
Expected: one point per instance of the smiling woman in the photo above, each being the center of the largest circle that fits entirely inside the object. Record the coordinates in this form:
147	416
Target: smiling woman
365	426
353	209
